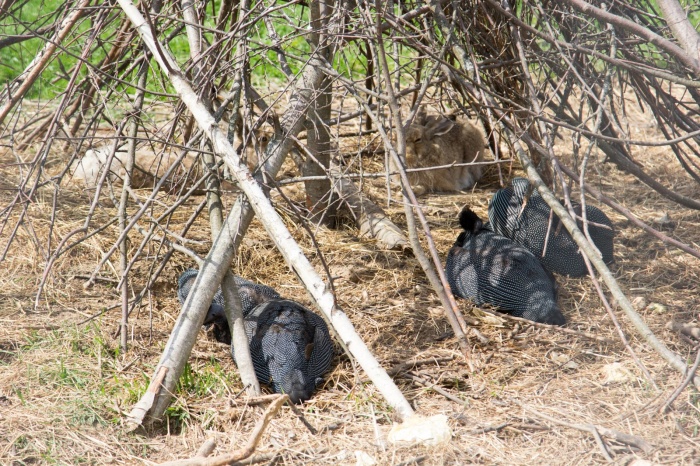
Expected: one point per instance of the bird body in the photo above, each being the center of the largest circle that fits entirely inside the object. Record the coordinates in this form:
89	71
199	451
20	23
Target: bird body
490	269
290	346
250	293
521	214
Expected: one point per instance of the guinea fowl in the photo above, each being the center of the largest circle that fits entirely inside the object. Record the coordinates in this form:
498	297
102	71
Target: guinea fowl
251	295
519	213
290	346
490	269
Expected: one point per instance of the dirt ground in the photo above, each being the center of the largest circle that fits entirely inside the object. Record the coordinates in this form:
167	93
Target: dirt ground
65	386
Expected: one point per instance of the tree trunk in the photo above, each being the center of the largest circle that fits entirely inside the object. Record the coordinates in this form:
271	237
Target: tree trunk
319	195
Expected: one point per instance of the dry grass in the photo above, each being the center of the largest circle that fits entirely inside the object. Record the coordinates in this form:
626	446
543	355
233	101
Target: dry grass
64	385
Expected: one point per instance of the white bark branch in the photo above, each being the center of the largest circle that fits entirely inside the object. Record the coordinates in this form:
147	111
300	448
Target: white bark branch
642	328
371	219
276	229
681	27
232	301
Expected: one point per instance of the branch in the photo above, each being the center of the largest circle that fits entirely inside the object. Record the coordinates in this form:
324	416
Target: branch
688	378
274	225
371	219
232	301
586	8
433	270
627	439
121	214
645	332
244	452
24	81
624	64
681	27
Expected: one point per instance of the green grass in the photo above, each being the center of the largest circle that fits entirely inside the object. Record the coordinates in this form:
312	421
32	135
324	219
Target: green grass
80	369
289	23
15	58
264	63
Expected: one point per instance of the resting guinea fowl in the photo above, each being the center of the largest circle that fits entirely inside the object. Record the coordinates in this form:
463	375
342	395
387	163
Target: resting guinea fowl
251	295
519	213
290	346
490	269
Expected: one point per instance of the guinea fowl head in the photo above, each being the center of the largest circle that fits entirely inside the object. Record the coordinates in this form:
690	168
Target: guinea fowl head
297	385
215	314
521	188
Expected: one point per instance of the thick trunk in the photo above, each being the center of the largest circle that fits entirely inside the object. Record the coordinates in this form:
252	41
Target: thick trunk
319	195
318	140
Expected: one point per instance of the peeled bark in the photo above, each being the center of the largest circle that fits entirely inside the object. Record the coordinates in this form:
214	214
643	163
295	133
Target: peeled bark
371	219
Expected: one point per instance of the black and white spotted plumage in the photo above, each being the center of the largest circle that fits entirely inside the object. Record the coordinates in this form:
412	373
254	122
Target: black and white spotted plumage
519	213
251	295
290	346
490	269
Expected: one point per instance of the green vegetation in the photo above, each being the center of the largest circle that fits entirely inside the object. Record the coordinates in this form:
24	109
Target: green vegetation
15	58
81	371
264	62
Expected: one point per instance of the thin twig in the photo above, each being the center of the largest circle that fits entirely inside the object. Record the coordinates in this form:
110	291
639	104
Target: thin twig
595	430
437	389
681	387
556	328
244	452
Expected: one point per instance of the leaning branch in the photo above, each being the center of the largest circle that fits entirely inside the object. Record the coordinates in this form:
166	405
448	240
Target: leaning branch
23	82
232	302
371	219
680	25
645	332
271	220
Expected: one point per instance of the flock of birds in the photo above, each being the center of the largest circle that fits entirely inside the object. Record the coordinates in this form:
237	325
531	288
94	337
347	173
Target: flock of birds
507	263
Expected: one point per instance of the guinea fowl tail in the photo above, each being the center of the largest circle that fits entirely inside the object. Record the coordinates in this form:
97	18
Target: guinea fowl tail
469	220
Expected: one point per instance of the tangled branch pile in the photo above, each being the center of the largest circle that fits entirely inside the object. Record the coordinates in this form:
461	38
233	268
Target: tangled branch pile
329	83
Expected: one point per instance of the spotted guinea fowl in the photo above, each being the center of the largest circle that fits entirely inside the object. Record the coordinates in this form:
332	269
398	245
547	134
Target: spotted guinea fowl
490	269
251	295
521	214
290	346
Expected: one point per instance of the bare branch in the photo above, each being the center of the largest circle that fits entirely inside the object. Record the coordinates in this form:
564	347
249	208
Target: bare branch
245	452
692	62
276	230
680	25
